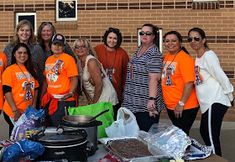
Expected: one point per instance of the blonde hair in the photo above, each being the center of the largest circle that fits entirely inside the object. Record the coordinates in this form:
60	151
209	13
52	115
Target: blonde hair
87	45
32	38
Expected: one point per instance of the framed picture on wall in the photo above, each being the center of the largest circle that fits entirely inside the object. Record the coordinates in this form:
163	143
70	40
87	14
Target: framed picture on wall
30	16
66	10
158	42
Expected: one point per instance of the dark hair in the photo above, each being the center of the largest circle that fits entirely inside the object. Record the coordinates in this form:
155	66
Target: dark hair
201	33
155	31
28	63
178	35
39	37
117	32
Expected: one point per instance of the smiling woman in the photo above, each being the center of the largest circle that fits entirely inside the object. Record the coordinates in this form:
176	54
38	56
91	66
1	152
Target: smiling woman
20	84
178	82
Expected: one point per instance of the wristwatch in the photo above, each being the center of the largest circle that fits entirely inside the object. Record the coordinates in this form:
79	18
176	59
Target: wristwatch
181	103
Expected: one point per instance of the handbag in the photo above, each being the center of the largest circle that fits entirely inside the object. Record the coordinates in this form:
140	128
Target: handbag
92	110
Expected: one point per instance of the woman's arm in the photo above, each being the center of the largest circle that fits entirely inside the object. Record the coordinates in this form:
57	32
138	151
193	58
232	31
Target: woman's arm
96	77
10	100
35	98
186	93
153	83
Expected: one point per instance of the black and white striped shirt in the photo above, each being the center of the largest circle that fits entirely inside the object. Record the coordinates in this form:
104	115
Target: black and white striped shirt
136	91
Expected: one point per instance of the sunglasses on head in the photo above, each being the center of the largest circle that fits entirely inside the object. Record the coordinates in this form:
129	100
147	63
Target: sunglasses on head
197	39
46	22
147	33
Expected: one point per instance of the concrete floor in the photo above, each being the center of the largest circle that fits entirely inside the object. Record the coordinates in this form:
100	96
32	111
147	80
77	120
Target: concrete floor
227	136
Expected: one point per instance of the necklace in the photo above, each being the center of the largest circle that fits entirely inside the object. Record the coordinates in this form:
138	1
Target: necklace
27	86
110	70
106	60
172	59
28	78
140	52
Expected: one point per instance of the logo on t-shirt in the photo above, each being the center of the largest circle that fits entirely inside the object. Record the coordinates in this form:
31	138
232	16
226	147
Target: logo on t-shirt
55	71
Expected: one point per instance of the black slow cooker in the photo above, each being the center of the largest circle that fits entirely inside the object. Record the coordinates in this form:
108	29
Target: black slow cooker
70	146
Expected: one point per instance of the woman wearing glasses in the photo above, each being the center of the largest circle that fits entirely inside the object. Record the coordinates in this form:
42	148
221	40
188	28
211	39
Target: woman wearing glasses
178	82
114	60
92	75
213	88
142	94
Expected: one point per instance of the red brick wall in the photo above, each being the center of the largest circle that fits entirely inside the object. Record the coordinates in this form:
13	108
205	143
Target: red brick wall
216	18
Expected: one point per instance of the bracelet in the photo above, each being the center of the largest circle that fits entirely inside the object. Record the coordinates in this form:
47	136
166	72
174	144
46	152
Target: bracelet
72	93
152	98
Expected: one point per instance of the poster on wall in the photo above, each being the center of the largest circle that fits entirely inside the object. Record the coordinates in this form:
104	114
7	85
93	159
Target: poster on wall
158	42
30	16
66	10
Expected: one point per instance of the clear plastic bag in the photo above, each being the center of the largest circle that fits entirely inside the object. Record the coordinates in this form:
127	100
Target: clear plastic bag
172	142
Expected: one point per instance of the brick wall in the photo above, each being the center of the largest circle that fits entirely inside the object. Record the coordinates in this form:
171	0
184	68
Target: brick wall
216	18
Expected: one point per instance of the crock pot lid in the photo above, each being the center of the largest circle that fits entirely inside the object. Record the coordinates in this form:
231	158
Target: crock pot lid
59	138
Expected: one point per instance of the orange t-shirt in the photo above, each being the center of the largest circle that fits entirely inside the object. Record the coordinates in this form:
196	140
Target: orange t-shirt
23	86
58	71
116	60
180	71
3	64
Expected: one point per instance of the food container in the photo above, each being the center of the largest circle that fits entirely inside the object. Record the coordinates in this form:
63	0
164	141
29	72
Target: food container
90	128
132	150
70	146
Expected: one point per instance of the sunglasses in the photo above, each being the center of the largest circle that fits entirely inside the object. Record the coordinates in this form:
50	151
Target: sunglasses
147	33
197	39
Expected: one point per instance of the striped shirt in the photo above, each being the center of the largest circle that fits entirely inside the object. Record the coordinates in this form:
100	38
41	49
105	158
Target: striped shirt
136	91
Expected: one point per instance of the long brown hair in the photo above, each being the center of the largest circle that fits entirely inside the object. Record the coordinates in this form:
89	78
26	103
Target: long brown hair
32	38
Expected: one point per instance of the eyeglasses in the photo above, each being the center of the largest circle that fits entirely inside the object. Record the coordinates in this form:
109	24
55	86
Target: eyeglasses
197	39
147	33
80	47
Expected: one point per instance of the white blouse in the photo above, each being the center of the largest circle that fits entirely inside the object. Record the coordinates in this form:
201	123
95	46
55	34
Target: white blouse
215	86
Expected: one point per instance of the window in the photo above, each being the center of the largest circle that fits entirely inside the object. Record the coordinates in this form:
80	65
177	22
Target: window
30	16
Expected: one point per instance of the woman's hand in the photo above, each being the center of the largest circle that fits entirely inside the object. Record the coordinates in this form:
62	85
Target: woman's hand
16	114
152	108
178	111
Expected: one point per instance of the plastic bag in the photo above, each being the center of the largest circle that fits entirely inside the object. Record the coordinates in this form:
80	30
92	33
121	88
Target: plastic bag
94	109
172	142
197	151
23	149
125	125
30	119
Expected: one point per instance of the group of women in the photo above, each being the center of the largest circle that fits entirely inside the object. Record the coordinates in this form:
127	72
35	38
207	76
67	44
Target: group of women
47	74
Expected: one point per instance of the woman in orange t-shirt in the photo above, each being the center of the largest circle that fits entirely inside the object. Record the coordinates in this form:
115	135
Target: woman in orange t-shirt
20	84
178	83
3	64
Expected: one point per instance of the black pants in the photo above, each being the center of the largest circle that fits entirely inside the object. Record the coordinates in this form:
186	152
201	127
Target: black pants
211	122
145	121
115	110
8	120
186	121
56	118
